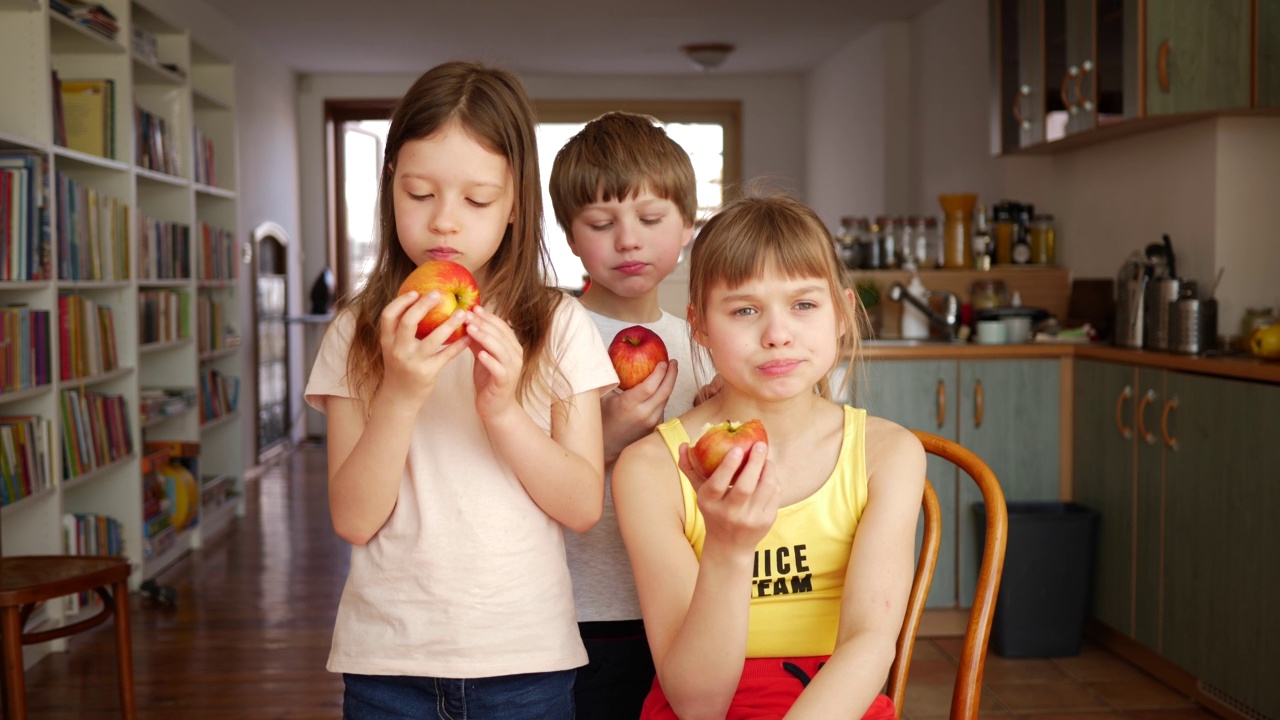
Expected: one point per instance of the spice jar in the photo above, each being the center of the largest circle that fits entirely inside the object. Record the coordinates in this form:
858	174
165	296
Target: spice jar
1004	229
1043	240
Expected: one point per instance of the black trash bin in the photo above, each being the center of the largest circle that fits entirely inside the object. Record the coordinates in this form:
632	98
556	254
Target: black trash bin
1048	577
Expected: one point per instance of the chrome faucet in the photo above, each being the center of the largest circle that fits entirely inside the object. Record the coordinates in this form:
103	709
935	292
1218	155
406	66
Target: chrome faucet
948	322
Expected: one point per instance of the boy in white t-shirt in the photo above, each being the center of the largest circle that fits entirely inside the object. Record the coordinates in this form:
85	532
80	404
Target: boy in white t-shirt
626	197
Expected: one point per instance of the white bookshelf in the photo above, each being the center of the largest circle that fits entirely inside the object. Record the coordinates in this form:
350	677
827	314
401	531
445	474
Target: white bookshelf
188	86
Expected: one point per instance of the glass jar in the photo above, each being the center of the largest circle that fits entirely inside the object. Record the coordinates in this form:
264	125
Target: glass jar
1043	240
888	241
1004	229
870	242
933	243
988	294
957	229
981	240
846	242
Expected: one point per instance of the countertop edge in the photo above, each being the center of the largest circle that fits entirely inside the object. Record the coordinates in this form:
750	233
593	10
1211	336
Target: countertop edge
1238	367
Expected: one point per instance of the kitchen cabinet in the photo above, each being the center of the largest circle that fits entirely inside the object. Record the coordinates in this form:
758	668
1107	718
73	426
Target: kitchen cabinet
1067	68
1006	411
1267	34
1182	468
1197	55
1018	88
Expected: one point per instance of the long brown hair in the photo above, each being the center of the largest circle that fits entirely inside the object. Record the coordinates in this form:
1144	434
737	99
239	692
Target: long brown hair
491	105
748	236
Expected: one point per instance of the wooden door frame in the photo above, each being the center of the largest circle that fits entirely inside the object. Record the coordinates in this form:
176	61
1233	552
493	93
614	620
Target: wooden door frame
726	113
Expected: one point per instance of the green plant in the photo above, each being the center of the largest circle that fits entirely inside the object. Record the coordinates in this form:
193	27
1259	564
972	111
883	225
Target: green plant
868	292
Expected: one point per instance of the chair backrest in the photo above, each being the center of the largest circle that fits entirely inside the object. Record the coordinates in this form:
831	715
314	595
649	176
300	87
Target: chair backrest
968	687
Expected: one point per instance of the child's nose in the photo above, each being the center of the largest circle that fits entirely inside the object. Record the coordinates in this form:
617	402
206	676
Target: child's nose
626	237
777	332
443	220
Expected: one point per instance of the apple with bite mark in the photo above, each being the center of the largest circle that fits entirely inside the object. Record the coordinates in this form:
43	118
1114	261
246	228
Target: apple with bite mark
718	439
457	288
635	352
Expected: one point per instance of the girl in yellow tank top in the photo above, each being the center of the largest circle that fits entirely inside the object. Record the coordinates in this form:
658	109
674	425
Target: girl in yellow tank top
778	584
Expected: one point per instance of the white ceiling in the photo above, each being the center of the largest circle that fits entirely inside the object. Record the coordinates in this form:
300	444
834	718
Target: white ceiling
610	37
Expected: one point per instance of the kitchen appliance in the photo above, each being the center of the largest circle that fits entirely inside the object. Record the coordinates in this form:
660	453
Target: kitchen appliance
1160	295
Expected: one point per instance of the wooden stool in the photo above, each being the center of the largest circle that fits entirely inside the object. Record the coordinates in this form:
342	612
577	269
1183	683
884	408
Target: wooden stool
25	581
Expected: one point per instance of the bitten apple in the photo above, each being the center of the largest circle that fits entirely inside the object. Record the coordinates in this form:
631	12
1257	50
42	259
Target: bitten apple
718	439
457	288
635	352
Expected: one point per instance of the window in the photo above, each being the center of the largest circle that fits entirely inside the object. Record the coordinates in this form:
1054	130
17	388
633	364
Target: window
708	131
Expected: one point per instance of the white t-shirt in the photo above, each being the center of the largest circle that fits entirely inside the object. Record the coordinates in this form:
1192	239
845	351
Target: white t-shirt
603	585
467	578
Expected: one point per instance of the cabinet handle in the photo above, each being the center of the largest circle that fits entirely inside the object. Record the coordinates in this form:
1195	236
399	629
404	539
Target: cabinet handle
1125	431
977	403
1065	94
1023	91
942	403
1169	441
1085	69
1162	65
1148	437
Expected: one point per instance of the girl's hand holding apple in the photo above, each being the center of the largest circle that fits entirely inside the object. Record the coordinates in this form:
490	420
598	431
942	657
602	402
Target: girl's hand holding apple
410	365
739	500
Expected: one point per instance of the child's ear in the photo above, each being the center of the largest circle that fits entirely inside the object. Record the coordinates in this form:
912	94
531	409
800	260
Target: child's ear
850	302
687	236
695	328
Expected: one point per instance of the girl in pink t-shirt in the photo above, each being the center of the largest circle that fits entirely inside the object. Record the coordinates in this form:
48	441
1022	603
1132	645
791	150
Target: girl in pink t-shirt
453	467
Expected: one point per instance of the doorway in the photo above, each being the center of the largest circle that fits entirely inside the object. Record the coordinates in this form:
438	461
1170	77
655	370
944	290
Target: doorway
270	307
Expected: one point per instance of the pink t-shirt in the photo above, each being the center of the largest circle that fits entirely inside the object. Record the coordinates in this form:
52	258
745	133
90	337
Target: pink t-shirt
467	578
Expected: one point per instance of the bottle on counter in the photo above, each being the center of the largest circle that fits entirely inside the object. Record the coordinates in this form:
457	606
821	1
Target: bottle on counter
1022	236
914	323
981	240
888	241
869	235
957	232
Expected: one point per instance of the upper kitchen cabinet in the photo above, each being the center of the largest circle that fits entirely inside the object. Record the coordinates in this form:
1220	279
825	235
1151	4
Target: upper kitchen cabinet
1091	64
1077	69
1267	34
1197	55
1017	74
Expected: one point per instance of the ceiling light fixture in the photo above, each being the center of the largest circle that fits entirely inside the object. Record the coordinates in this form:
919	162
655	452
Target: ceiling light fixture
707	56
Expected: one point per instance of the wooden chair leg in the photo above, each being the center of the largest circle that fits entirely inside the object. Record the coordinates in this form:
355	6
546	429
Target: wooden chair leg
124	649
11	629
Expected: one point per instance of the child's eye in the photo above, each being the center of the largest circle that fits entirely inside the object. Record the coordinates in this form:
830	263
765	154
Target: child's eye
477	203
651	220
806	305
601	227
419	197
744	311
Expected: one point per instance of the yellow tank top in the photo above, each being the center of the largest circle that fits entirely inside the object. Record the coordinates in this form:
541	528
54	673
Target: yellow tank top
800	565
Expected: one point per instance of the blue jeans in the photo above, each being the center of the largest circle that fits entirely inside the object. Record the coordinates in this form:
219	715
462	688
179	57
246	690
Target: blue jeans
535	696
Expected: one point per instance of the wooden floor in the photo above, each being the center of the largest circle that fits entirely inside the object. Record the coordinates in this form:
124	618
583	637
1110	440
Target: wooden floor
250	634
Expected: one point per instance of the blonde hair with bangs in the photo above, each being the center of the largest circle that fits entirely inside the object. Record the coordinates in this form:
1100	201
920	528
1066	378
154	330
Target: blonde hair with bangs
751	235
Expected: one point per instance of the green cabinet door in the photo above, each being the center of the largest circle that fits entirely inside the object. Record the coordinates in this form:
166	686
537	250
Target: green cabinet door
1149	495
1009	416
1103	436
1268	63
915	394
1220	535
1197	56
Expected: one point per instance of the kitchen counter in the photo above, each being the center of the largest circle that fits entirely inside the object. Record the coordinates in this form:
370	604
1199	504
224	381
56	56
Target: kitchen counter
1241	367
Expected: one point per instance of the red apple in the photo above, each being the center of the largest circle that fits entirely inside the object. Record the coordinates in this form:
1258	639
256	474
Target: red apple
635	352
717	440
457	288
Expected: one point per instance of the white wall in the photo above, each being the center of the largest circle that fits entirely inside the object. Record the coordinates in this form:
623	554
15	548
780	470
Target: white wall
1247	221
267	182
858	127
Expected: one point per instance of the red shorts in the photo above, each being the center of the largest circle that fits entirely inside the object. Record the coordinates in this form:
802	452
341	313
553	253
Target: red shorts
767	690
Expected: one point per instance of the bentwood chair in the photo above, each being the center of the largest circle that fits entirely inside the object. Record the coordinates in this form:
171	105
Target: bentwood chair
968	686
28	580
